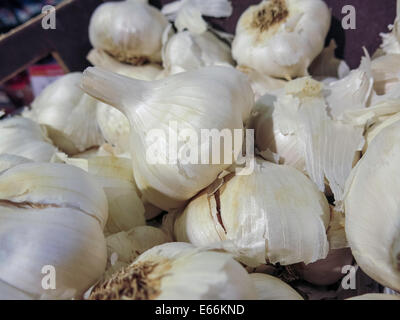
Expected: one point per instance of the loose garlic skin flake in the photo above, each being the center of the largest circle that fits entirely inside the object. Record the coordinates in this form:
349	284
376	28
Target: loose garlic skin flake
130	31
280	38
372	208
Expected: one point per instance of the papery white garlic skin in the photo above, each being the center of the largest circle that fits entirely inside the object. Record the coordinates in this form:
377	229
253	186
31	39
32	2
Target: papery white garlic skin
129	30
211	275
68	114
51	215
126	246
208	98
371	206
272	288
23	137
275	214
281	38
187	51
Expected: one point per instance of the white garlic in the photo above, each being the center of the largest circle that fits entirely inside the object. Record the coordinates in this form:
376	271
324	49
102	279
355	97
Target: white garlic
204	99
68	114
271	288
23	137
115	176
124	247
51	215
178	271
281	38
371	206
8	161
128	30
386	73
275	214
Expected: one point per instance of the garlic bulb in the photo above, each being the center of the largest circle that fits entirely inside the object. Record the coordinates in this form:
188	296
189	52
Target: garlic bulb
124	247
280	38
371	206
130	31
114	175
178	271
205	99
68	114
275	214
326	271
271	288
375	296
51	215
25	138
113	124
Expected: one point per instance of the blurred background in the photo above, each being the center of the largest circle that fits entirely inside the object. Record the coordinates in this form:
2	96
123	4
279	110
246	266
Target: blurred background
18	89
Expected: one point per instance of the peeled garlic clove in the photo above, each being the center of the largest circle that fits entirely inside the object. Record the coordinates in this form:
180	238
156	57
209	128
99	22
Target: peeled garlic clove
205	99
115	176
130	31
51	215
280	38
326	271
271	288
275	214
375	296
165	271
371	206
23	137
124	247
351	92
68	114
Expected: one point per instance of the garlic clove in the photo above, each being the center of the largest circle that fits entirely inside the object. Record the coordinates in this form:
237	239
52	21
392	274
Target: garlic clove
68	114
212	275
271	288
208	98
130	31
372	217
25	138
280	38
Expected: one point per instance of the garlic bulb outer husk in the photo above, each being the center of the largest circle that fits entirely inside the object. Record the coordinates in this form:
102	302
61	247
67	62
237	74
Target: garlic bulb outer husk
51	215
68	114
129	30
167	269
23	137
275	214
185	51
8	161
115	176
272	288
386	73
336	231
281	38
372	217
204	99
124	247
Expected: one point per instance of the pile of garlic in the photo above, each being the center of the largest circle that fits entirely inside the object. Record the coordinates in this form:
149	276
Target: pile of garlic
91	207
